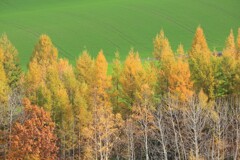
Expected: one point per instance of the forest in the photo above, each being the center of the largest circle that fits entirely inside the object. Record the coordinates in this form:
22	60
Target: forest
176	105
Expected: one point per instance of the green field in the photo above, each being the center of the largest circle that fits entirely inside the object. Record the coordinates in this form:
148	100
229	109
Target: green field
114	25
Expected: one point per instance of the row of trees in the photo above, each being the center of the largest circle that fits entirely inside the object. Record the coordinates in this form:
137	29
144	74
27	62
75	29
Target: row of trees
177	106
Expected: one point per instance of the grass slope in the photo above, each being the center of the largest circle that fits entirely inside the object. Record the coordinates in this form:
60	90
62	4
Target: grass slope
111	25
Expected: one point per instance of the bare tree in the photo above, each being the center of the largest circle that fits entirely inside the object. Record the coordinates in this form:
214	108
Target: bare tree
196	118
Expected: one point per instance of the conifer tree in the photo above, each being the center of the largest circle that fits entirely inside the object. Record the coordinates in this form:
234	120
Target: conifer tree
228	65
238	44
104	127
116	86
44	56
162	47
4	88
10	62
130	81
164	54
200	64
4	94
61	110
180	84
84	68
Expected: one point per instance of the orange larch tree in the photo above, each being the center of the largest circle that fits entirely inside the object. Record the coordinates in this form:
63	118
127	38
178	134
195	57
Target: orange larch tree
180	83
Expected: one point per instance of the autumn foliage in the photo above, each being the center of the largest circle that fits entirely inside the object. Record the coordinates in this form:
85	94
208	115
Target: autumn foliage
33	135
181	104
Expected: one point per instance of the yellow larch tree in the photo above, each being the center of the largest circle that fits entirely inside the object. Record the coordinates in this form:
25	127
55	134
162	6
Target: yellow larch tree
44	56
229	65
142	115
130	79
237	77
201	65
162	47
11	63
164	54
4	88
180	84
84	68
4	110
238	44
61	110
104	126
116	89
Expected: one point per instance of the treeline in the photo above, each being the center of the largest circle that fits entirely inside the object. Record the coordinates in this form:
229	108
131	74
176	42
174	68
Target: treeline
181	105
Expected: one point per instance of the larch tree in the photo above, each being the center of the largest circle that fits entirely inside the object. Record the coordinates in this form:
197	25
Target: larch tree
84	72
237	76
238	44
61	109
164	54
229	65
142	115
4	93
83	105
162	47
4	88
71	85
44	56
14	77
130	80
33	135
84	68
104	126
116	86
200	64
11	62
180	84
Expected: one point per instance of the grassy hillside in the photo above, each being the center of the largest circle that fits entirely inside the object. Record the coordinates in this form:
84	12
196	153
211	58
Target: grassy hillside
111	25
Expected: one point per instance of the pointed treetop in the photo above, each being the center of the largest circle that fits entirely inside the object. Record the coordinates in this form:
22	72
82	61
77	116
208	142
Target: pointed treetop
199	41
116	65
45	50
7	46
101	66
230	42
161	45
45	40
180	50
230	48
85	54
101	60
84	68
133	62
